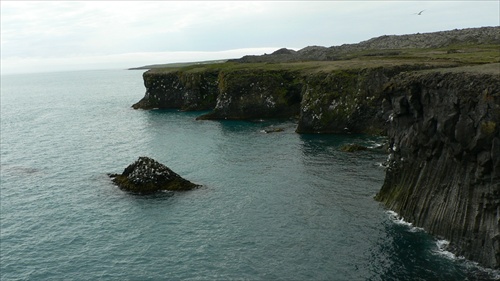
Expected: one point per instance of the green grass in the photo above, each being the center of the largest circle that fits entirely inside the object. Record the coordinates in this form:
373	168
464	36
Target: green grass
451	56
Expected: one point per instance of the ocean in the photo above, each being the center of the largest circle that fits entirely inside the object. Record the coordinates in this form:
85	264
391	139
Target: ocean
272	206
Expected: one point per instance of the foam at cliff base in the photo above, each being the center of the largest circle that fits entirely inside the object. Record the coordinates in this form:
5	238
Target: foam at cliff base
442	245
441	250
397	219
480	271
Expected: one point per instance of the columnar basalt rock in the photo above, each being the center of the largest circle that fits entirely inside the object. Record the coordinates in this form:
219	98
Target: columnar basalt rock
444	165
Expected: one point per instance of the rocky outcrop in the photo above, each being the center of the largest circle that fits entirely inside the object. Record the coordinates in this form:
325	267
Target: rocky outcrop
257	93
444	165
353	147
179	89
346	100
147	176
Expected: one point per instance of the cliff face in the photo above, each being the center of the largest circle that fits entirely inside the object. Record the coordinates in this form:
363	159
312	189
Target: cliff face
443	127
182	90
249	94
444	164
345	99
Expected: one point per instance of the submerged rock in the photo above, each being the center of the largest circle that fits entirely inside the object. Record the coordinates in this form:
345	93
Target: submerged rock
273	130
353	147
148	176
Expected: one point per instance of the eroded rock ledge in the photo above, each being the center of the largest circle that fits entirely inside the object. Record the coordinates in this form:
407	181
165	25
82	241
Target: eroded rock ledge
147	176
444	163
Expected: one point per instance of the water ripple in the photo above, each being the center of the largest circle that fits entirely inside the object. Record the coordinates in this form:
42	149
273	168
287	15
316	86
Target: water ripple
278	206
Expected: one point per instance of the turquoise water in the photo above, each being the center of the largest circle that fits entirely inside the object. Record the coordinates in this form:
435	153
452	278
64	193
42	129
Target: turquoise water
279	206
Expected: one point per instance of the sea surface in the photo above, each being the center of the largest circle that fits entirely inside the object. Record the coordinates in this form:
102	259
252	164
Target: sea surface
277	206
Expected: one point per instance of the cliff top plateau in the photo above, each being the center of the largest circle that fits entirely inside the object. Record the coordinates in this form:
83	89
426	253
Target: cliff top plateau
472	46
387	45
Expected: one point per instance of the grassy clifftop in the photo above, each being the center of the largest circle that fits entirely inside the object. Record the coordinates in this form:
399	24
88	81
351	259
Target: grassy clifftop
445	48
451	56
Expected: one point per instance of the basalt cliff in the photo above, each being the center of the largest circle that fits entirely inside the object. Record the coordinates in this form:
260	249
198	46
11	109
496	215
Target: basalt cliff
443	170
435	96
323	97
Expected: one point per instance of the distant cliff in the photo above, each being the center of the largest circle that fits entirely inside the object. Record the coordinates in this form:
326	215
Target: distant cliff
444	168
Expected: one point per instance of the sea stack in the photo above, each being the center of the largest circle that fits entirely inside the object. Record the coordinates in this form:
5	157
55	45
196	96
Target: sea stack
146	176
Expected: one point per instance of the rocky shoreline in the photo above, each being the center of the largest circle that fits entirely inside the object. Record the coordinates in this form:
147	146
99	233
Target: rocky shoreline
438	105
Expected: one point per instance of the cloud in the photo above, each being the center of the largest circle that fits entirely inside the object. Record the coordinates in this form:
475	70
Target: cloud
61	30
118	61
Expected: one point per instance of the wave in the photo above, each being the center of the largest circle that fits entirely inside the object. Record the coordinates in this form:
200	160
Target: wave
441	249
397	219
442	246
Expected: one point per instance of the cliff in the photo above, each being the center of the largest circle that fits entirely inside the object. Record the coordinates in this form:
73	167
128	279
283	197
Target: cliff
324	97
444	164
256	93
347	100
333	96
439	107
186	91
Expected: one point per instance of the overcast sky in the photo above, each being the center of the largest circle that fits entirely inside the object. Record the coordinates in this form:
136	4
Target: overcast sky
62	35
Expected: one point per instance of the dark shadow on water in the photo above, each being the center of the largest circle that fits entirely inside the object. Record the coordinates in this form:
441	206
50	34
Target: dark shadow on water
160	195
19	170
194	114
326	144
257	125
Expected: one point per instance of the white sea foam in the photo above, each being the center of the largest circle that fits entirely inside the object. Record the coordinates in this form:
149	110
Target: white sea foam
396	218
488	273
374	145
442	245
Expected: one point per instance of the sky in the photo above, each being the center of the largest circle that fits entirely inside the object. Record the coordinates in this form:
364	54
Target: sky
40	36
